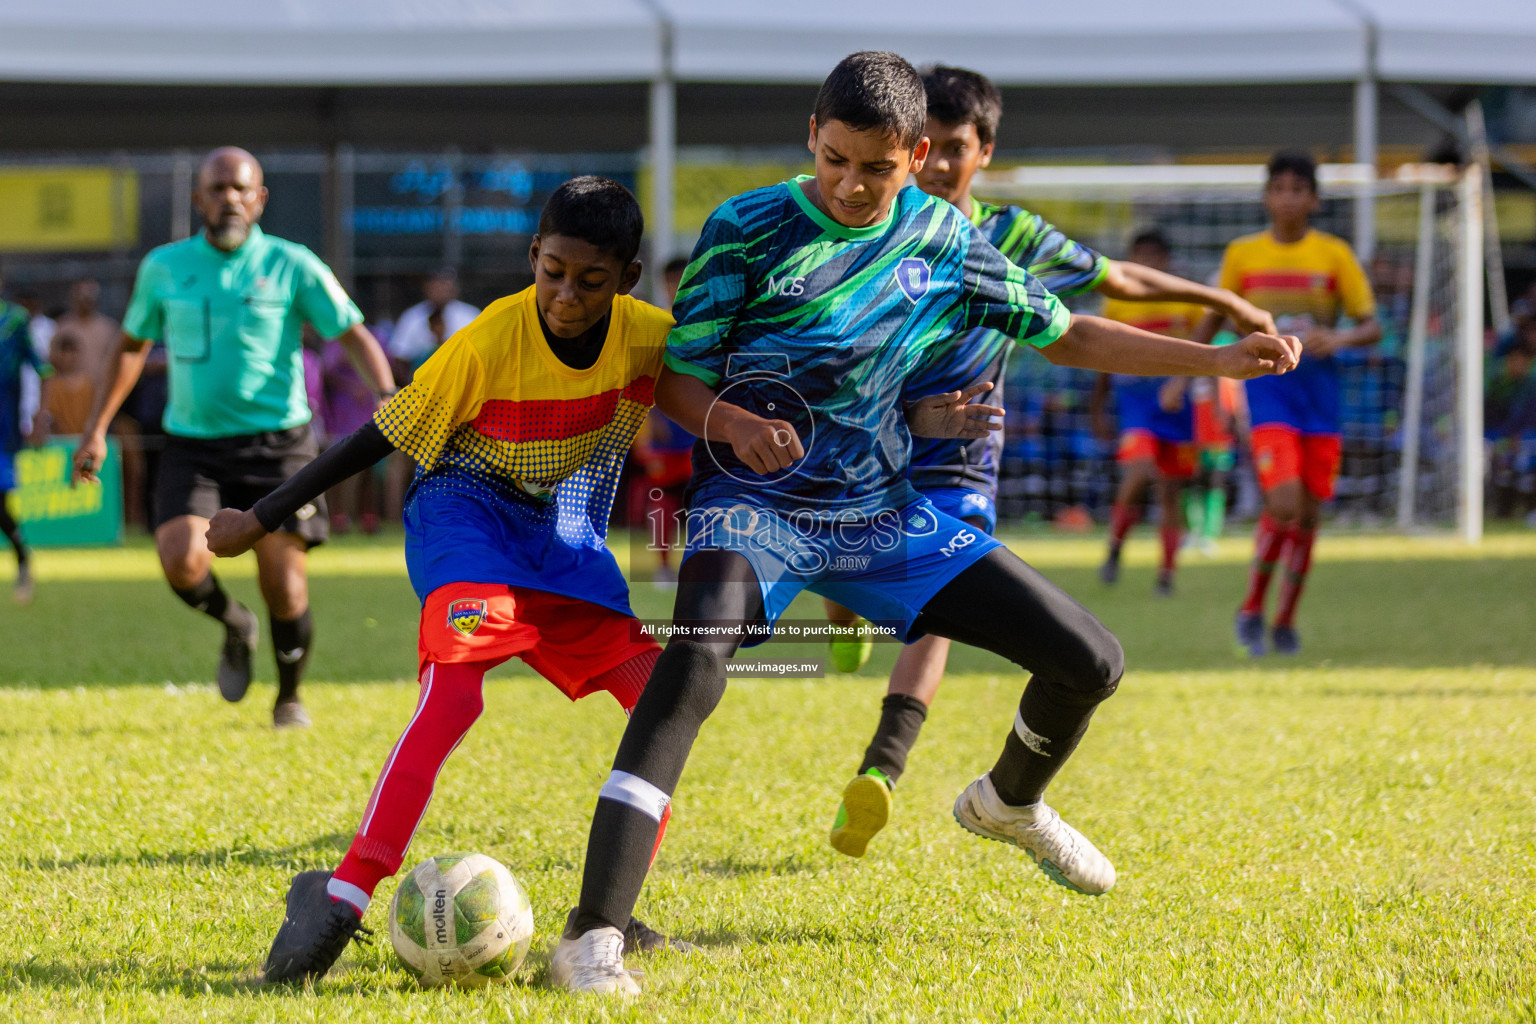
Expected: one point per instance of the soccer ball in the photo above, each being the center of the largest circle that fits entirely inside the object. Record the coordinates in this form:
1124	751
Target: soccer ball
461	919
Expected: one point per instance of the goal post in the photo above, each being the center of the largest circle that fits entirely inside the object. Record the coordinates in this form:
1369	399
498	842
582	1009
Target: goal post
1412	405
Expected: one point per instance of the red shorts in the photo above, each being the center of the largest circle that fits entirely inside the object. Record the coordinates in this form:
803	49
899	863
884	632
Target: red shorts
1282	453
567	641
1176	460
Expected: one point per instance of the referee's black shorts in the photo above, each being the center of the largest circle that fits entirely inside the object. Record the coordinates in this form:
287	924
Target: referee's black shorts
199	476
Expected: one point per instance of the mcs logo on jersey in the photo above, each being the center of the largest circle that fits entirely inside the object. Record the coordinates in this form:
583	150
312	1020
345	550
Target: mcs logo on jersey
912	276
466	616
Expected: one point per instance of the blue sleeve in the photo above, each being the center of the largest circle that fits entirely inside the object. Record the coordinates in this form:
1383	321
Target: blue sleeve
1003	297
709	298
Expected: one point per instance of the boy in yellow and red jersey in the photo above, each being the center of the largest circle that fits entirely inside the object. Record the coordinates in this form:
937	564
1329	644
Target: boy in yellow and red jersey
1157	425
518	425
1311	281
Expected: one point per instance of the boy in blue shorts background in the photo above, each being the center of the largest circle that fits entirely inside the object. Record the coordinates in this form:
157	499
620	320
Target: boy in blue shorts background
1156	425
803	311
960	478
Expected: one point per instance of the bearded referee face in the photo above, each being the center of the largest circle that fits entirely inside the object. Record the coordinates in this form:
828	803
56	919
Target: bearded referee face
230	196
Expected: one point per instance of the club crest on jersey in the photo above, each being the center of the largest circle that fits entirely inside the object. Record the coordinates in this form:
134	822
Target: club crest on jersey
466	616
912	276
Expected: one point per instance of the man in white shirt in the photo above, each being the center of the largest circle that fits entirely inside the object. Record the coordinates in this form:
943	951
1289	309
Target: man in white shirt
426	325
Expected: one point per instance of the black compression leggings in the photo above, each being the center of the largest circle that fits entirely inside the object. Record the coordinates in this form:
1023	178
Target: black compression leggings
999	604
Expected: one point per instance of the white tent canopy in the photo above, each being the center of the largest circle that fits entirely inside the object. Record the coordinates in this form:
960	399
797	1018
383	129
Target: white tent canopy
328	42
342	42
1108	42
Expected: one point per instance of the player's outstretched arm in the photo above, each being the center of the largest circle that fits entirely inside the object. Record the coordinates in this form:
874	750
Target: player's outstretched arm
1094	343
126	367
1137	283
952	414
766	446
232	532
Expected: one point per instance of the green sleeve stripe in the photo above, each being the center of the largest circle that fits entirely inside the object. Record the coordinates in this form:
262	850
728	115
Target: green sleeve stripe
1061	319
676	365
1100	272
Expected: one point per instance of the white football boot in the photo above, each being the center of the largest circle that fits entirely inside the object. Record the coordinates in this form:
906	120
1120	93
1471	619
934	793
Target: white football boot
1061	850
594	962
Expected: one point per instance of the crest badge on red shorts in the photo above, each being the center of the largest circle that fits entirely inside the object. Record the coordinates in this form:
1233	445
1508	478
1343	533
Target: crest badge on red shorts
466	616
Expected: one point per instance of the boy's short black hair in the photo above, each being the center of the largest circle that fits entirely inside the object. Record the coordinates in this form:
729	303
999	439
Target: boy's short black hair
1293	161
1152	236
957	96
598	211
873	90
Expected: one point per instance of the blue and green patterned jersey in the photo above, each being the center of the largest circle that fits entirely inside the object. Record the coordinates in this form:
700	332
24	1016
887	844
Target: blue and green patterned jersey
1065	267
793	316
15	352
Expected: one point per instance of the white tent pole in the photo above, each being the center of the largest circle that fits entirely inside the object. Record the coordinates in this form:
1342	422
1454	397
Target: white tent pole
1418	331
663	160
1365	154
182	171
1366	116
1493	256
1470	355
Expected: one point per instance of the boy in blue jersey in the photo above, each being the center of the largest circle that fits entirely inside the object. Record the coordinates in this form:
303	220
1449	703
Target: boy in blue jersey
804	309
960	478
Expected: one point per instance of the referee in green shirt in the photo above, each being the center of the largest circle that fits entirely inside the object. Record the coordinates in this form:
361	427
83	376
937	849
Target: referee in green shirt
230	304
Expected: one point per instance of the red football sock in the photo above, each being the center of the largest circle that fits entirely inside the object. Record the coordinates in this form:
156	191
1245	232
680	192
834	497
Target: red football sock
1268	539
1171	535
1121	519
1298	562
450	702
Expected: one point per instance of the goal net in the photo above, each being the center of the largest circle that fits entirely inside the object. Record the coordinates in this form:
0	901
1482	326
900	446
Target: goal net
1412	405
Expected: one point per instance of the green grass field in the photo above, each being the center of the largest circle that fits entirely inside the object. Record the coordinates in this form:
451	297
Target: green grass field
1346	836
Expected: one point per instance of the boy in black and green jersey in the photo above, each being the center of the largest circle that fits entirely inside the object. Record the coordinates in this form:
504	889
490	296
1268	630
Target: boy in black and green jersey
960	477
803	311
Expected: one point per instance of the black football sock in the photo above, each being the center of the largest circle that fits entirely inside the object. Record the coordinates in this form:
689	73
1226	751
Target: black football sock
901	719
686	684
208	597
291	641
1050	722
12	531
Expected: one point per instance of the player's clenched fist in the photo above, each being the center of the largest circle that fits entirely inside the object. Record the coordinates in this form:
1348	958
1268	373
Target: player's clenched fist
232	532
88	459
1259	354
766	446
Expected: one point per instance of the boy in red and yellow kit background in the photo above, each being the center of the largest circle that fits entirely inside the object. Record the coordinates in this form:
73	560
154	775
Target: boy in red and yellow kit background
1311	282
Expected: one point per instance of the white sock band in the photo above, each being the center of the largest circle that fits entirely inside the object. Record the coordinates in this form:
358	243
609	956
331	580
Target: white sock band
349	893
636	792
1031	739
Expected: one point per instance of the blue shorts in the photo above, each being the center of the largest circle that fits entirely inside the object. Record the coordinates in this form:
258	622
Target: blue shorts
886	567
964	503
1139	410
7	472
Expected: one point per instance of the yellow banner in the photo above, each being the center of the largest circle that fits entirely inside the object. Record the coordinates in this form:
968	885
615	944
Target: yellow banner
68	209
